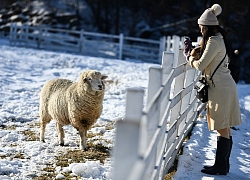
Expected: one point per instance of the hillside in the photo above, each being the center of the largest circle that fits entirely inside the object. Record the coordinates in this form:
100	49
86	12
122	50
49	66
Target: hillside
144	18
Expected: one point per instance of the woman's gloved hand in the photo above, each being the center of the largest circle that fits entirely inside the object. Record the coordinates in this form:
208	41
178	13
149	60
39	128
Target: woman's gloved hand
187	47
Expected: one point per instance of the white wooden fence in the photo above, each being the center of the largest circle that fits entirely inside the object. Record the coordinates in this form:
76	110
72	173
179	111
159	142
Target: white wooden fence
93	44
149	138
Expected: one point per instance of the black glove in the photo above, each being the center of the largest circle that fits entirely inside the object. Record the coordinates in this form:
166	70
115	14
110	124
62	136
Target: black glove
187	47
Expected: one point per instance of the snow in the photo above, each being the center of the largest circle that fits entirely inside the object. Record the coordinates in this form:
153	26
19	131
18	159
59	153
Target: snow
200	149
22	75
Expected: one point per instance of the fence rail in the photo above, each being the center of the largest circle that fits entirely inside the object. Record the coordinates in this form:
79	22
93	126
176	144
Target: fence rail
93	44
149	138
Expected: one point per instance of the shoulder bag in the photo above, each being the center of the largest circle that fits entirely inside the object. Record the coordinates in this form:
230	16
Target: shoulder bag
202	86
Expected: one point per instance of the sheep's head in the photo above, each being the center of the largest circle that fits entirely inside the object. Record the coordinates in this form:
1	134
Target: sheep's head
94	79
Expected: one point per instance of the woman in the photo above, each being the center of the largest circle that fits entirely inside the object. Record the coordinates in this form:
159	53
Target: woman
223	106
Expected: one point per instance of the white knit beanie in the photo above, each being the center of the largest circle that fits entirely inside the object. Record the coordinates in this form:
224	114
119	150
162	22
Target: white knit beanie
209	16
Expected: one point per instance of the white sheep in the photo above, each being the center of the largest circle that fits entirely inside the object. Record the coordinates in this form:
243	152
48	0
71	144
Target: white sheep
76	103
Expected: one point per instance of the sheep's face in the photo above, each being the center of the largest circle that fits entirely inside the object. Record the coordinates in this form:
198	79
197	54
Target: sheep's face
95	80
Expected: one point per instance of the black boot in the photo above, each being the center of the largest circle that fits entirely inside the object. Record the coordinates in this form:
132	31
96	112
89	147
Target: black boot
230	149
221	159
228	164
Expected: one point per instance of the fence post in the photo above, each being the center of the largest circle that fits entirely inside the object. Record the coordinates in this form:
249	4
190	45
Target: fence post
39	37
26	36
154	82
120	46
181	42
134	104
15	34
127	135
22	33
11	33
162	47
168	43
188	80
167	64
81	40
176	45
43	39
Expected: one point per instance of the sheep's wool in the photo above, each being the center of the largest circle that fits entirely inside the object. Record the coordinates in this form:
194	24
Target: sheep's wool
70	102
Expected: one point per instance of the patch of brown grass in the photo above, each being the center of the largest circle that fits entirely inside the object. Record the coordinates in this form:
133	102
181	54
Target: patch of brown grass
96	151
12	127
30	135
19	155
34	125
173	169
110	125
48	174
16	155
52	175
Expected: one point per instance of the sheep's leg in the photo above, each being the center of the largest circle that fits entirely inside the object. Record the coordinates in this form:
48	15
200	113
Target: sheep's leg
60	133
42	130
83	139
43	124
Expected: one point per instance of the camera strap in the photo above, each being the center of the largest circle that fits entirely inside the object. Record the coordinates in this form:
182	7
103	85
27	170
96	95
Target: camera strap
217	68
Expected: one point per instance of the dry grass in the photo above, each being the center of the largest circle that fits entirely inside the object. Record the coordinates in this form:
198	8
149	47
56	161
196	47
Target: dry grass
12	127
95	152
34	125
173	169
48	174
30	135
13	155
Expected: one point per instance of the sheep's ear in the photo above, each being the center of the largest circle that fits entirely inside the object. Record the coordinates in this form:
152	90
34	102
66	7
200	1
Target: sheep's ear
104	77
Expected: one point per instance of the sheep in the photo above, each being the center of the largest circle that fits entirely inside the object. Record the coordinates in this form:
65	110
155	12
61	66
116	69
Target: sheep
76	103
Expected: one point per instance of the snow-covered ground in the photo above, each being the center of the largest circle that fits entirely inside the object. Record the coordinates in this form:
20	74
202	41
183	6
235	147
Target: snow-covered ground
22	75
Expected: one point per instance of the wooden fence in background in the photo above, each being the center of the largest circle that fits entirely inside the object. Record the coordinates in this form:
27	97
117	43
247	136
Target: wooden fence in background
93	44
149	138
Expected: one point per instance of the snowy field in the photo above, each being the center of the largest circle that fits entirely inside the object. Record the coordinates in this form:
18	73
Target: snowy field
22	75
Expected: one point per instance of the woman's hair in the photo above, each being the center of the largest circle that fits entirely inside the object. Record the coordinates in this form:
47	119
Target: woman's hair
211	31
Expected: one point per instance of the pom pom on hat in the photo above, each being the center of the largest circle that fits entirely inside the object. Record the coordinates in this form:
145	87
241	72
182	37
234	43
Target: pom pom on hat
216	9
209	16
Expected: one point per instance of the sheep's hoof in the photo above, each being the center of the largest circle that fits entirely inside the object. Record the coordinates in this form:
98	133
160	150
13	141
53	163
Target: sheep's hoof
42	141
83	148
61	144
